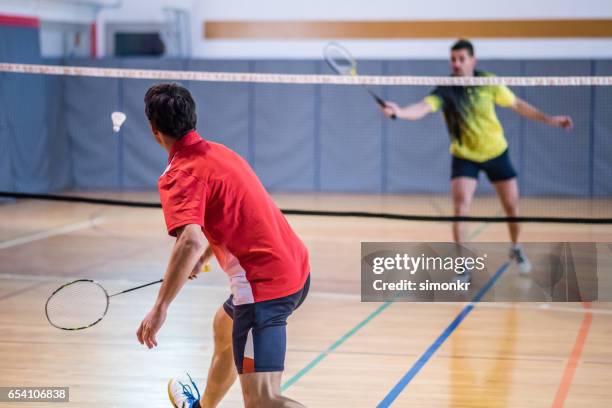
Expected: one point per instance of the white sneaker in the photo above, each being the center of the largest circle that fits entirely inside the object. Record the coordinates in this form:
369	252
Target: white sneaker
181	395
517	254
465	277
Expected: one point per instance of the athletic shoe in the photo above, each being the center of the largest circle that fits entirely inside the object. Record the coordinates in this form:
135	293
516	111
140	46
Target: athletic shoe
517	254
181	395
464	277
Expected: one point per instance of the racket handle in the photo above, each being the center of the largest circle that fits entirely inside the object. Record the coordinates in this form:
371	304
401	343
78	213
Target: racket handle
381	102
137	287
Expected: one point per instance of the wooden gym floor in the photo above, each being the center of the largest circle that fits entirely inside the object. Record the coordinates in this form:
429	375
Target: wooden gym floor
341	352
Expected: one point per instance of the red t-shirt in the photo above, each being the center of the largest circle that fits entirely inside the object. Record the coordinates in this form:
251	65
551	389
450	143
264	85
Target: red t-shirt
210	185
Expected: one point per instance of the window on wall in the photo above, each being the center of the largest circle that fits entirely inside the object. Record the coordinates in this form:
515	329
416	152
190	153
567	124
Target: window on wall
136	39
138	44
59	39
168	38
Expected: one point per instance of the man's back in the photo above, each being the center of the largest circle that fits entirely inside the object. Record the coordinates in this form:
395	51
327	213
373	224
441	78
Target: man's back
210	181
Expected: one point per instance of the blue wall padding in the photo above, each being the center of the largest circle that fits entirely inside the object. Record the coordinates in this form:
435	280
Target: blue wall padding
55	132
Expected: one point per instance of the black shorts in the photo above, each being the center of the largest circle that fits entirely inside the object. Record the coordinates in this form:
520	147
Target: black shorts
497	169
259	337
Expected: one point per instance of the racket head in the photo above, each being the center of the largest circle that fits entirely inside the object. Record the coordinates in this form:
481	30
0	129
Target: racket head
77	305
339	59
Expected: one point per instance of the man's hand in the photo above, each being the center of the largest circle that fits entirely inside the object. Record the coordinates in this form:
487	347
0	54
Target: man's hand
530	112
185	254
390	109
150	325
415	111
564	122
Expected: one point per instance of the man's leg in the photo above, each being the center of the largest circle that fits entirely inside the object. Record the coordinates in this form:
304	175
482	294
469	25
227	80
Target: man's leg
264	390
222	372
260	341
508	193
463	189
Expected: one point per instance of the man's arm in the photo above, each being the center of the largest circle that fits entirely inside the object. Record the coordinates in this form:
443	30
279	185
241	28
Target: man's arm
530	112
208	253
414	111
186	252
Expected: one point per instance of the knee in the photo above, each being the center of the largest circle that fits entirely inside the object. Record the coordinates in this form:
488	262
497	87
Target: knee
270	401
278	402
512	210
254	401
511	207
261	398
462	204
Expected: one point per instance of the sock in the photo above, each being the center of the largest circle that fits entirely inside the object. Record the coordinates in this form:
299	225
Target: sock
517	246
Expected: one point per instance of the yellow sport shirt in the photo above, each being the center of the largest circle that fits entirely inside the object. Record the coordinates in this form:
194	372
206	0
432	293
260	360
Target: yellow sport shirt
469	112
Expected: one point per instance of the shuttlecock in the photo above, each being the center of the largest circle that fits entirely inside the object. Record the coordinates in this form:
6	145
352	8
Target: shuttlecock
118	118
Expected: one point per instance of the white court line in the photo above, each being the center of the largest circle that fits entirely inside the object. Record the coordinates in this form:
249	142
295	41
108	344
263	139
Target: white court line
545	307
66	229
128	283
548	307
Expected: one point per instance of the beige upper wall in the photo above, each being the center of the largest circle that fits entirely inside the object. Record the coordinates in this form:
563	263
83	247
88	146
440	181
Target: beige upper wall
201	11
377	42
408	29
317	10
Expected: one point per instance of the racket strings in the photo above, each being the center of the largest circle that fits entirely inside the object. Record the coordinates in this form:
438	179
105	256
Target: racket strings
340	60
77	305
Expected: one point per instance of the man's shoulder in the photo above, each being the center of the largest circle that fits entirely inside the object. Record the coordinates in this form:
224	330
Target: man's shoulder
479	73
174	174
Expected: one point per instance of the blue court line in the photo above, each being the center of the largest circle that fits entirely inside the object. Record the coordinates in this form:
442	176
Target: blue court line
420	363
351	332
334	346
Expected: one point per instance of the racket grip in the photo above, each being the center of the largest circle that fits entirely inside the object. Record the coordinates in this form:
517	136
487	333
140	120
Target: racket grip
381	103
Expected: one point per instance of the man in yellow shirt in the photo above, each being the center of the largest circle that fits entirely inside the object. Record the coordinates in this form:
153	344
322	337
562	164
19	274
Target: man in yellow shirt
477	138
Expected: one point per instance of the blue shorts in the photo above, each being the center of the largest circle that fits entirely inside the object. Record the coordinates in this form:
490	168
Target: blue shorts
259	337
497	169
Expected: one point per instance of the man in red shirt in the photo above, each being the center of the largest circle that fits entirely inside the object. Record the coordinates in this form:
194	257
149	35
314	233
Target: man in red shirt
208	192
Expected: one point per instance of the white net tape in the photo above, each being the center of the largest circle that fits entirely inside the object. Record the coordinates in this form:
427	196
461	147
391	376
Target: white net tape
300	79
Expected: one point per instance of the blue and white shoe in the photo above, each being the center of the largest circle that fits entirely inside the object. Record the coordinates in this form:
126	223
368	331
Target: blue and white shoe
518	255
181	395
465	277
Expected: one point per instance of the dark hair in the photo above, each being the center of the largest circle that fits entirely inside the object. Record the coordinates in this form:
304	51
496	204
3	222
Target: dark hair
170	109
463	44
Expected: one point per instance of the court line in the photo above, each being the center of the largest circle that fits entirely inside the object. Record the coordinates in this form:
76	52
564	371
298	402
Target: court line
20	291
572	363
451	356
293	379
420	363
544	307
476	231
334	346
198	286
66	229
40	236
481	227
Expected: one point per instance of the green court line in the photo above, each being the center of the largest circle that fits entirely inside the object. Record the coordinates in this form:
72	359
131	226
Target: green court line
334	346
480	228
297	376
477	231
